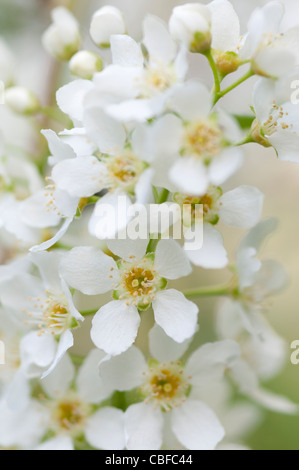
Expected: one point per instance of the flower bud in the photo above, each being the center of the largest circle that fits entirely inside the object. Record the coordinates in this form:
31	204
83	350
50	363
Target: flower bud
191	25
7	65
21	100
226	62
85	64
62	38
106	22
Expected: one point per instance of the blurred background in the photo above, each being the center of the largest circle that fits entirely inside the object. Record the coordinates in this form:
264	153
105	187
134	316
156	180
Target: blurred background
21	25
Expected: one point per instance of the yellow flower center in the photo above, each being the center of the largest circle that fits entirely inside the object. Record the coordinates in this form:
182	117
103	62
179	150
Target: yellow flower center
124	171
139	283
166	385
203	139
70	415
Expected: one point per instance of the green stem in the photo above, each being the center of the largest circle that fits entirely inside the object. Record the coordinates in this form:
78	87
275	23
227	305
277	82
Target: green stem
152	246
227	90
77	360
89	313
247	140
213	291
160	199
213	66
55	115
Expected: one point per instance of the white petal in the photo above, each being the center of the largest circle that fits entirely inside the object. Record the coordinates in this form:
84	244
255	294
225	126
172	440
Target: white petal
58	443
125	51
115	327
211	360
242	207
196	426
163	348
225	165
90	385
58	382
285	143
110	216
171	261
158	41
176	315
60	150
88	270
105	429
70	98
273	402
191	101
81	177
257	235
212	255
263	95
34	212
49	243
127	248
109	134
190	176
143	427
124	372
225	26
65	343
37	353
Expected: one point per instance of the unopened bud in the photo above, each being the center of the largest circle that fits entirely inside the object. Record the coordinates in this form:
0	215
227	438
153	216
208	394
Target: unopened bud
191	25
226	62
62	38
21	100
85	64
106	22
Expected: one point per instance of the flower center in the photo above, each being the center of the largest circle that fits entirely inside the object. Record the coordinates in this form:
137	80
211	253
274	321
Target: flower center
49	314
139	283
277	120
166	385
203	139
208	204
156	79
70	415
124	171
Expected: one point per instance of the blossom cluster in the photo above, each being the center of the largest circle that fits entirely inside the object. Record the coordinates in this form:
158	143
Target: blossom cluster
143	127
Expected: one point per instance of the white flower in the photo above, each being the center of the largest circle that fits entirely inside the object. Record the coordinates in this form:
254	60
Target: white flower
277	122
21	100
106	22
136	85
85	64
7	64
21	428
168	388
241	207
48	310
138	281
73	411
256	280
191	24
272	54
62	38
199	153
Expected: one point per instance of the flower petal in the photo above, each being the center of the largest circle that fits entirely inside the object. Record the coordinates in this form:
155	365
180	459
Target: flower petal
105	429
212	255
163	348
90	385
70	98
114	327
242	207
88	270
176	315
58	382
143	427
124	372
196	426
109	134
171	261
158	41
